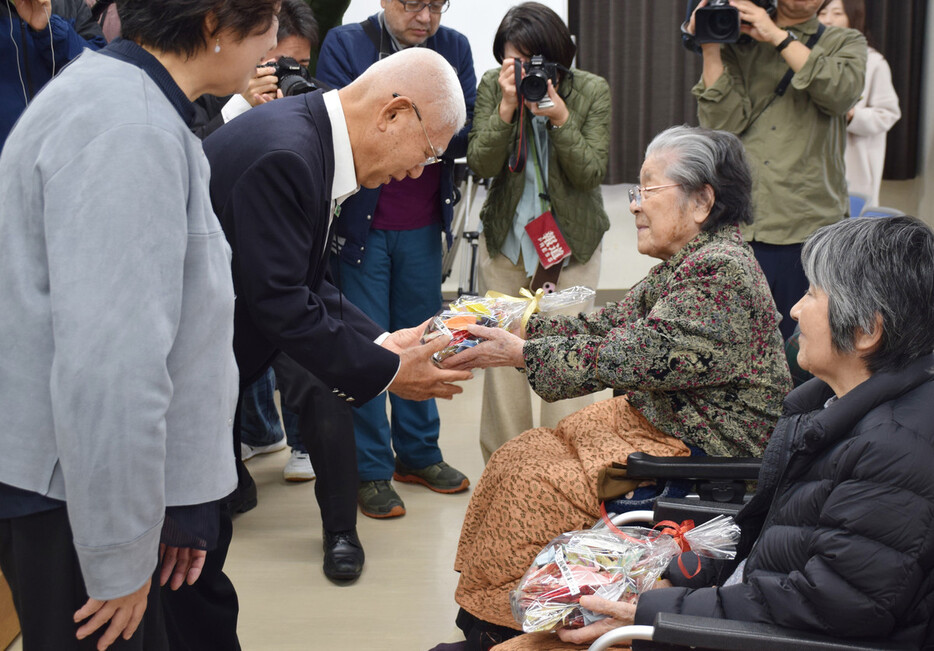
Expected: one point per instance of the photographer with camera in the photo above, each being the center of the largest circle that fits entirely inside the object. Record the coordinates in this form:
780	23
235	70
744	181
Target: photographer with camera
784	89
282	72
541	131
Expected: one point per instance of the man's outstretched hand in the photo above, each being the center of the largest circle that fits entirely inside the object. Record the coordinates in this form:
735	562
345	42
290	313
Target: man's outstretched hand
418	377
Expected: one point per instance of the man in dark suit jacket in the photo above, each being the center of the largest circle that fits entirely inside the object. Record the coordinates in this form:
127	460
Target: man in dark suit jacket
278	175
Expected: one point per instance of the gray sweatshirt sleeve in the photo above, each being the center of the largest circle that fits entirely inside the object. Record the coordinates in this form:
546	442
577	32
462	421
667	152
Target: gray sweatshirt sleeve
116	231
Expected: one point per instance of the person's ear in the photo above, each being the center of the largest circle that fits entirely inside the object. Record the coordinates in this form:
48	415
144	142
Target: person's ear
704	201
865	343
390	112
210	26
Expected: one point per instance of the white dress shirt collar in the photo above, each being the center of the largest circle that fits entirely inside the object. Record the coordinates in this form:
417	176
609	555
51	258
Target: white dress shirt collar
345	174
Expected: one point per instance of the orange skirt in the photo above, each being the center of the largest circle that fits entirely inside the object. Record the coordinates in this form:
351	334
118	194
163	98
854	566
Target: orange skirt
538	485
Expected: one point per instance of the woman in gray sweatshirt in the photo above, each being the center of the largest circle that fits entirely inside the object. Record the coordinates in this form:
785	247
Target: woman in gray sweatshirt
117	376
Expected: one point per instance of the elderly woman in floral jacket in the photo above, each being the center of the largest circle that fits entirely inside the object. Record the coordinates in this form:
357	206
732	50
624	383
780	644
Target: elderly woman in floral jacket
694	347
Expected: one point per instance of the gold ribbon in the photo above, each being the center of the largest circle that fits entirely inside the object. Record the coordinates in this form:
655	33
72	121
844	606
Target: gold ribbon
532	299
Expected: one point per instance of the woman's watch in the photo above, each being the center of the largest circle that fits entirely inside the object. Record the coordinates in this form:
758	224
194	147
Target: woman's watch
788	39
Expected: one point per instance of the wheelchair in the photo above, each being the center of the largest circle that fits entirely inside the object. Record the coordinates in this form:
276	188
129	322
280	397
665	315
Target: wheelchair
720	485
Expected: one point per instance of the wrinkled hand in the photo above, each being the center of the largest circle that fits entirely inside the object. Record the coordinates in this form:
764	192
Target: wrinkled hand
182	564
406	337
501	348
123	613
507	83
757	22
34	12
419	379
263	87
620	614
557	114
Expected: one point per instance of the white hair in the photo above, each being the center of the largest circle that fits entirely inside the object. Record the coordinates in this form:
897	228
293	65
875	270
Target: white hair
427	78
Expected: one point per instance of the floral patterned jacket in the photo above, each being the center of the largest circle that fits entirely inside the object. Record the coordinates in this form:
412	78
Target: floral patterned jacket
695	346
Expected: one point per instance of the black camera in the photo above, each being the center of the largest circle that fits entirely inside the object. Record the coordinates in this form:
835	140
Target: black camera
293	77
718	22
534	86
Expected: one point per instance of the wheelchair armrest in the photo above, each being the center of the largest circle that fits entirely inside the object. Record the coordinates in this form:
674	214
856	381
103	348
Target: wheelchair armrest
700	511
712	633
640	465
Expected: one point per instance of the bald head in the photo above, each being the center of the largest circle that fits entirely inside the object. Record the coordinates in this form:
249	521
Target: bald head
400	112
424	76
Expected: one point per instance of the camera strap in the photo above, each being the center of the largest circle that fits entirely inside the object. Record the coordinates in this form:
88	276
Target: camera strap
783	84
517	160
786	80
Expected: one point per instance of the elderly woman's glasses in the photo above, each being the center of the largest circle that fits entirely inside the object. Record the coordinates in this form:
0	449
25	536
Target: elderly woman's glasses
431	160
413	6
637	193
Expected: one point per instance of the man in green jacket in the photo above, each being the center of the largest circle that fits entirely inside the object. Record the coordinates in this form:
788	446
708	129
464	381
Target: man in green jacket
795	137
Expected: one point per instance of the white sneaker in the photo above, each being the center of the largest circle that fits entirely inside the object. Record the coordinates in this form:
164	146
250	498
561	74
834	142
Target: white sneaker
298	467
250	451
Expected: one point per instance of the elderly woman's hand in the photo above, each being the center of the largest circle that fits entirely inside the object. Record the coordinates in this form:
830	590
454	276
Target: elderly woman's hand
501	348
620	614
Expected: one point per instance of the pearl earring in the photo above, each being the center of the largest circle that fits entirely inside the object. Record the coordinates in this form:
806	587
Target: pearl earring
217	47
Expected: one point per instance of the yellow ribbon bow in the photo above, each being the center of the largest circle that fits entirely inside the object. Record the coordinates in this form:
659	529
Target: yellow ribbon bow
532	299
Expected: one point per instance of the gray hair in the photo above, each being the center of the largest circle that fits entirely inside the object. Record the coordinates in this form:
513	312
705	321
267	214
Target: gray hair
426	77
876	266
699	157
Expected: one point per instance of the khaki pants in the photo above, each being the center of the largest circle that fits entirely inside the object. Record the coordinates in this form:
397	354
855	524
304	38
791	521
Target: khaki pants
507	396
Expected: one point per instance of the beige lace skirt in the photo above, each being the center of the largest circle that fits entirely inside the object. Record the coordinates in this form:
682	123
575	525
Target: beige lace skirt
538	485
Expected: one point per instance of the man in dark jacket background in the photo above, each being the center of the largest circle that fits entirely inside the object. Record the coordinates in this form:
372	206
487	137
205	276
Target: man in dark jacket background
390	251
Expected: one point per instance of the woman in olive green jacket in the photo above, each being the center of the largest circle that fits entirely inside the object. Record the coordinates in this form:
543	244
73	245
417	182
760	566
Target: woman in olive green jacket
566	148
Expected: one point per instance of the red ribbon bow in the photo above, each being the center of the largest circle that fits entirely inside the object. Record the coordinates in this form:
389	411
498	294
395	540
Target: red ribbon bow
669	528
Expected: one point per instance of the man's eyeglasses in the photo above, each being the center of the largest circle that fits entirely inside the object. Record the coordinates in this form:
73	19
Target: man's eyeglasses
414	6
637	193
431	160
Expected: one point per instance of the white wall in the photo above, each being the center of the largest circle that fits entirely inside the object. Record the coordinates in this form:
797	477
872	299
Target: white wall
476	19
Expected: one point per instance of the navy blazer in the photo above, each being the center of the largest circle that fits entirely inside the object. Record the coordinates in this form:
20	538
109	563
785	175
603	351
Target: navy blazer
346	52
271	175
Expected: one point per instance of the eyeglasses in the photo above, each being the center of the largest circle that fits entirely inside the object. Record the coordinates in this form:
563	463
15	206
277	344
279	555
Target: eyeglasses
431	160
637	193
414	6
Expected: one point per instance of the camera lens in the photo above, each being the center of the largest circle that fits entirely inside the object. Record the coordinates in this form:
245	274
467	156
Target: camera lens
535	85
717	24
295	85
722	25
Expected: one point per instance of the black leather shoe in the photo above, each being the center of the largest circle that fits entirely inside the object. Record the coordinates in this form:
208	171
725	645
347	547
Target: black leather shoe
343	555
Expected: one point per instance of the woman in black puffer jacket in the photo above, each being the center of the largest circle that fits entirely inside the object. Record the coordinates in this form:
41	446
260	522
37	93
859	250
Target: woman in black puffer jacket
839	538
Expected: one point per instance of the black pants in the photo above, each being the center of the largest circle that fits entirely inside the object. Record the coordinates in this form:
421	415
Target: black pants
781	264
325	423
39	562
203	616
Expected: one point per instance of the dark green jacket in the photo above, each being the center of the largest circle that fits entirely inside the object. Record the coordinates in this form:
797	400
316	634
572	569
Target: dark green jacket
577	165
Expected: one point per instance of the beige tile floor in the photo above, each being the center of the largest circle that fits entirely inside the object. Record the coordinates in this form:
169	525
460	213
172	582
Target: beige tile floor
404	601
405	598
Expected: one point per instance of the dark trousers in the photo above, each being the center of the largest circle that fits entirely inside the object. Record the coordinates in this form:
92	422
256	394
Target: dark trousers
325	424
203	616
781	264
39	562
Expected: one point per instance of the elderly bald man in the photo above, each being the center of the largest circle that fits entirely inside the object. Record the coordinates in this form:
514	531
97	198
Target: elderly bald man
278	176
